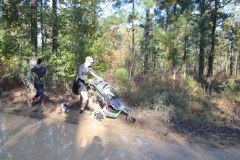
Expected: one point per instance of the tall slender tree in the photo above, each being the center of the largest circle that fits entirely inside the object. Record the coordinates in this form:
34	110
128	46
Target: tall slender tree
34	28
186	10
215	17
132	62
232	39
54	27
203	6
146	49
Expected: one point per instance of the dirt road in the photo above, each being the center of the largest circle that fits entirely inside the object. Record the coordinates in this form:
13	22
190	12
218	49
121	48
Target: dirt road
53	134
26	138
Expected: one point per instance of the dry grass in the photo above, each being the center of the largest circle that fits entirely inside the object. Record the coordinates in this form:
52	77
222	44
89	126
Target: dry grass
185	102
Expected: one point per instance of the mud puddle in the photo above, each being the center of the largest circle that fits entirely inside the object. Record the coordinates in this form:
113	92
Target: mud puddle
23	138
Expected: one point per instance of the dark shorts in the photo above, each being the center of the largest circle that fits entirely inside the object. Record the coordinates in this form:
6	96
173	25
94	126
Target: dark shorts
81	88
78	88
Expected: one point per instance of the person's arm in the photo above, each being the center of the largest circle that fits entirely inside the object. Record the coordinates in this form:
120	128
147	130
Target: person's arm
94	73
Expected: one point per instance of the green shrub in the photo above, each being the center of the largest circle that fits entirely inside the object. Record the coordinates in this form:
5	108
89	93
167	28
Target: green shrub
121	73
229	86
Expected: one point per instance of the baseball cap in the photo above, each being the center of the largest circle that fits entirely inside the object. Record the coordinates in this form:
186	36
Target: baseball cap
89	59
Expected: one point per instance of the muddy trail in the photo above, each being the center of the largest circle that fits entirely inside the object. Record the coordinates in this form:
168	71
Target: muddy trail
147	138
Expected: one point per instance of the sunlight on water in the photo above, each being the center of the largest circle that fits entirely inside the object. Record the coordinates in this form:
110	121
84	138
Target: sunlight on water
23	138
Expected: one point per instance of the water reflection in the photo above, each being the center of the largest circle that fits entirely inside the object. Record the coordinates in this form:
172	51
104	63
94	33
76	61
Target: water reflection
24	138
97	147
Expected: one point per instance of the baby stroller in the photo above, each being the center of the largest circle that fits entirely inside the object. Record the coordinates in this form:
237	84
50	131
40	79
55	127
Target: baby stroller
111	105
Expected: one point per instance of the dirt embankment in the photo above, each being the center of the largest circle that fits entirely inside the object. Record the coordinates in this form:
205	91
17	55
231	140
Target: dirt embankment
15	102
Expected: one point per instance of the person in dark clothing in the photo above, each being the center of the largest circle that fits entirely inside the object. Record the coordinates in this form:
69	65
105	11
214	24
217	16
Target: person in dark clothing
39	71
82	72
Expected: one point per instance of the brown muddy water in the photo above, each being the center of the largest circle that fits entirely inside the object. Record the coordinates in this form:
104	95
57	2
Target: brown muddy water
23	138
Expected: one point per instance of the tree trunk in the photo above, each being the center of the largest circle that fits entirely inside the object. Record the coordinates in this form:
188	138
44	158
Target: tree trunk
167	14
211	56
236	64
226	62
54	27
231	44
42	31
45	35
195	62
203	8
33	5
174	61
231	52
146	38
201	55
184	68
173	50
132	61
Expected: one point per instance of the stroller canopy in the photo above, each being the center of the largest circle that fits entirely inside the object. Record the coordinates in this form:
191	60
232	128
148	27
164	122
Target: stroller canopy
102	85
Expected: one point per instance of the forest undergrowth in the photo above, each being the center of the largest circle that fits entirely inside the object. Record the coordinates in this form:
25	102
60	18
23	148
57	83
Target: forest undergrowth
189	105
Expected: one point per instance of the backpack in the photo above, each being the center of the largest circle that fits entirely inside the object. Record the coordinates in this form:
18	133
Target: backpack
75	86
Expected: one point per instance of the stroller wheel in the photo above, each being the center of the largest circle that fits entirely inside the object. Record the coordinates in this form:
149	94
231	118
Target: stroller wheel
99	116
130	119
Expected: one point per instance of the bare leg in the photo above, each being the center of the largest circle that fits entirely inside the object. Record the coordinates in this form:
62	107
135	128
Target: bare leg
75	100
84	100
